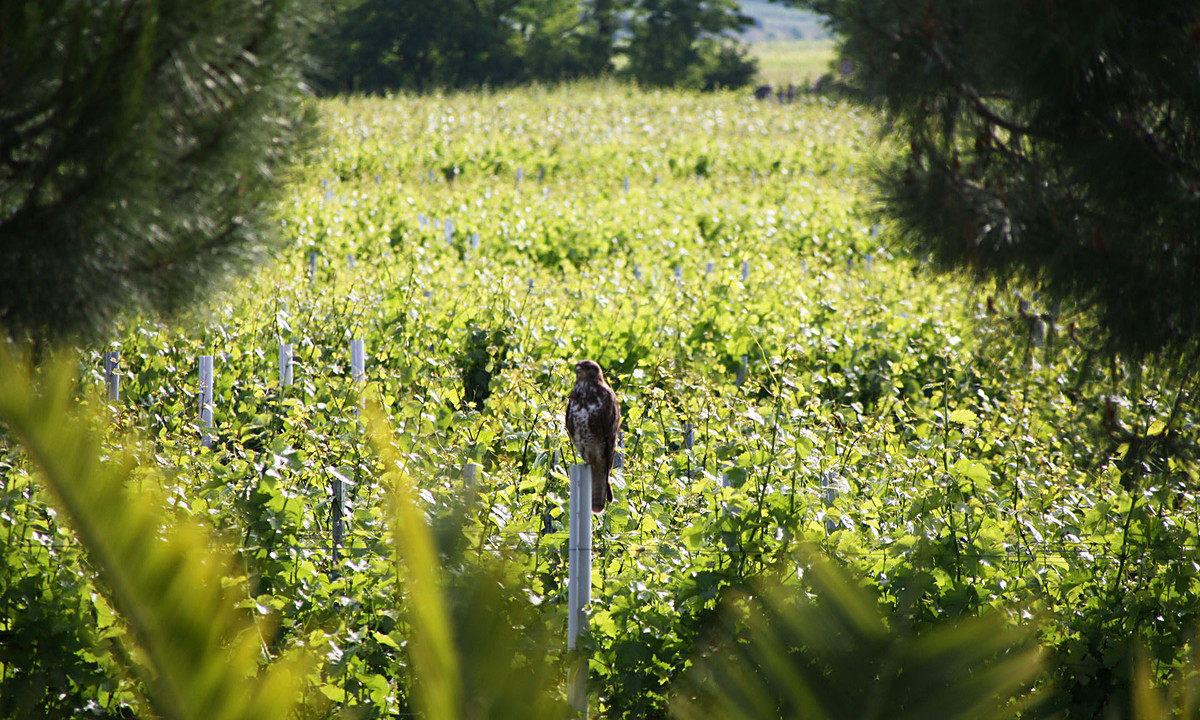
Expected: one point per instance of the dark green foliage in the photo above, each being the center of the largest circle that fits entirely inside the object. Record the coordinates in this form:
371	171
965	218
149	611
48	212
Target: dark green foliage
382	45
482	358
730	67
138	147
53	647
1052	142
684	43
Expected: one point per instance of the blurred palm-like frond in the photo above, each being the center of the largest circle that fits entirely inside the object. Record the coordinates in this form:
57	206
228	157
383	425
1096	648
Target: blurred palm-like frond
828	651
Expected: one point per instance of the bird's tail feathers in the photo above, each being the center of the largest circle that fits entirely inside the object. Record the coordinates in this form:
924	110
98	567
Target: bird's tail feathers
601	491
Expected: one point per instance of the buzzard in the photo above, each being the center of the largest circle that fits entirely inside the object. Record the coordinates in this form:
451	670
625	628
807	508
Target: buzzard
593	419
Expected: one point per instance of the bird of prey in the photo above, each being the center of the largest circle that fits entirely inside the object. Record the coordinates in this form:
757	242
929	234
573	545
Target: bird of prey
593	421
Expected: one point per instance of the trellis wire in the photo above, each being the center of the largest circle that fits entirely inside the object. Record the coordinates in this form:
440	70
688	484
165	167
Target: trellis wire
1023	552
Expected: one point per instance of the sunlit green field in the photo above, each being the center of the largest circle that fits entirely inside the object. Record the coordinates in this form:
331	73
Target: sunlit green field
787	378
799	62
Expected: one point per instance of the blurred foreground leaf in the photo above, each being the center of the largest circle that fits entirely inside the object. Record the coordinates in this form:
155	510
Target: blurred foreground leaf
479	647
784	653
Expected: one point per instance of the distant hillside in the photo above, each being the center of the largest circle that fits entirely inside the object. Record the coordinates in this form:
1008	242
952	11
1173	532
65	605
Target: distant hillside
780	22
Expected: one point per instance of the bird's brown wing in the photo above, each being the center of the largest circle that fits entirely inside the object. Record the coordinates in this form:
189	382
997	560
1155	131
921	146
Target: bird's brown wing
603	422
570	420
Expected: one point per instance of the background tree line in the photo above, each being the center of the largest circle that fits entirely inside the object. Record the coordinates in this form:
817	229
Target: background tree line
381	45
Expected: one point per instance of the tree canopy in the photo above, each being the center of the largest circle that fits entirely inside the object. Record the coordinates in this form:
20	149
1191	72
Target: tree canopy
382	45
1055	142
139	142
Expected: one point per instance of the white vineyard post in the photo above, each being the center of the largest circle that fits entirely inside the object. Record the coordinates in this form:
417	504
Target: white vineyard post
541	173
626	183
286	363
470	473
1051	326
708	268
112	375
357	375
338	529
689	440
745	270
206	399
520	176
358	361
829	492
449	229
1037	333
312	266
741	373
350	260
579	580
679	275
